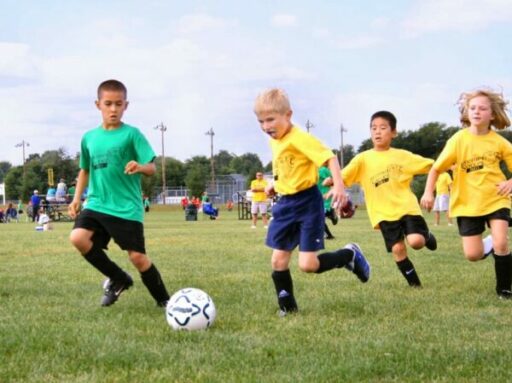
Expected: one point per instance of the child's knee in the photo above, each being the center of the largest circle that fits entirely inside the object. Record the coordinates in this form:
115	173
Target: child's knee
416	241
80	241
140	260
308	266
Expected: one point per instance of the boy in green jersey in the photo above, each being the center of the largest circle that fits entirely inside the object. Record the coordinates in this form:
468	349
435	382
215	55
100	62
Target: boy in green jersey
113	157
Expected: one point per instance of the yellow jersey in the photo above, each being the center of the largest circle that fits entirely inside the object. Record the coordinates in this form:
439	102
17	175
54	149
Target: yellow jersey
443	184
477	159
259	196
385	177
296	158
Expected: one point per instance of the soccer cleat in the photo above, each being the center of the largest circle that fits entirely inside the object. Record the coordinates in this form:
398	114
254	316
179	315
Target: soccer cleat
113	289
359	265
431	242
162	304
333	217
253	227
284	312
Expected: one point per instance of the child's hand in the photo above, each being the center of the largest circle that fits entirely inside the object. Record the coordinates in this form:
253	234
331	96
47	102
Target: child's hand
73	209
269	190
339	197
131	167
427	201
505	187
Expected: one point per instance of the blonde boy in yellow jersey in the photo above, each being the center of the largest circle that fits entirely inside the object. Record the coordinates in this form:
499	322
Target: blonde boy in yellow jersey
298	216
259	200
480	190
442	201
385	174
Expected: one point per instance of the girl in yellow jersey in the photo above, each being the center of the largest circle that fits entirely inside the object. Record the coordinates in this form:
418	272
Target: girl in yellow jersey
298	216
442	201
385	174
480	190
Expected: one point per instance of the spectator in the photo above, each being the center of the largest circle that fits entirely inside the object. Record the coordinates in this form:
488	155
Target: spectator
35	201
60	195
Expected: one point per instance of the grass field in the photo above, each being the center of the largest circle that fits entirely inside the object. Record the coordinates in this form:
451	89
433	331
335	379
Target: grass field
52	328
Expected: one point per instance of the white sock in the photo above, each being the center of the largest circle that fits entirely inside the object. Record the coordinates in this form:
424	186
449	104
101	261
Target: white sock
487	241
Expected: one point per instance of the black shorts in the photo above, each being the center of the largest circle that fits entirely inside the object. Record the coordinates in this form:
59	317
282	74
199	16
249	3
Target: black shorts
129	235
469	226
395	231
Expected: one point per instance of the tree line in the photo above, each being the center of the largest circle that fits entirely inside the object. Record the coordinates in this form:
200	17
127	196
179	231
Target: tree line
194	173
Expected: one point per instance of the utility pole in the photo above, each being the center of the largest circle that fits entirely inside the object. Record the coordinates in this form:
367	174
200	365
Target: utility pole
211	133
342	130
22	144
162	128
309	125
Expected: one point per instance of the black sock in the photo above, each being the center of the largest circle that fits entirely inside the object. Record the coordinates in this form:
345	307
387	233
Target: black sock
334	259
328	232
408	271
284	290
153	282
503	269
97	257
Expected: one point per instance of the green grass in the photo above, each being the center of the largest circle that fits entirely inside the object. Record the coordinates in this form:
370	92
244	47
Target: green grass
53	330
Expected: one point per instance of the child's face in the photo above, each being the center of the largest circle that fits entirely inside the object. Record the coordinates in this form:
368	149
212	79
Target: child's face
480	112
381	132
276	125
112	105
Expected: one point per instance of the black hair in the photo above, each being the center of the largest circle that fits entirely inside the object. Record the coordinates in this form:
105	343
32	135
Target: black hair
113	85
388	116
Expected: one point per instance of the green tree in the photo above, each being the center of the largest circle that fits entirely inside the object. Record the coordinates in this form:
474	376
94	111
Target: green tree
4	169
222	162
197	174
247	164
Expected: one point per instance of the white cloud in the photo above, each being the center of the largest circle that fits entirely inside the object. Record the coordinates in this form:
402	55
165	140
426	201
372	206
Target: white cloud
201	22
357	42
284	20
17	60
455	15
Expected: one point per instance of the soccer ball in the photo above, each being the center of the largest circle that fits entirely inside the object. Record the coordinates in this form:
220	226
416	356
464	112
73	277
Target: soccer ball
190	309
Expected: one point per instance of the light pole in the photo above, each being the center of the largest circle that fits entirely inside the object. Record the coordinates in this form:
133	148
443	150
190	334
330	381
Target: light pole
342	130
22	144
211	133
309	125
162	128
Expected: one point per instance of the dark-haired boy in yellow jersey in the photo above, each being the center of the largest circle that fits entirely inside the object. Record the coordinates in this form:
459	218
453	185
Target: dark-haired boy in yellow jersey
385	174
298	216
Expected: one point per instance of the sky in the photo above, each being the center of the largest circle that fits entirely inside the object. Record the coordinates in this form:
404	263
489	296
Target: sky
198	65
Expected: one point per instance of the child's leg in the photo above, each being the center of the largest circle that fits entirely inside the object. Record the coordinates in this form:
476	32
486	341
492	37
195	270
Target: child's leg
150	277
437	217
502	258
328	234
473	247
404	264
283	280
94	254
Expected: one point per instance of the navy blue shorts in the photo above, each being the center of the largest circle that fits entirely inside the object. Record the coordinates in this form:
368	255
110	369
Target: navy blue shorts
298	219
129	235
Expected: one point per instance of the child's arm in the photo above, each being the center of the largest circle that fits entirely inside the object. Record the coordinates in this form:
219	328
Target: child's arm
337	192
134	167
427	200
83	181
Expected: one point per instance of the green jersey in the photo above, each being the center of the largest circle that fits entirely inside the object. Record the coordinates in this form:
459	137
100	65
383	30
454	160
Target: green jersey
323	174
104	154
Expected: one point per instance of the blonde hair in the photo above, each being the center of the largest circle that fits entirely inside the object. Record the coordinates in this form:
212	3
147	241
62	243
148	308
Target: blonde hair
498	106
272	100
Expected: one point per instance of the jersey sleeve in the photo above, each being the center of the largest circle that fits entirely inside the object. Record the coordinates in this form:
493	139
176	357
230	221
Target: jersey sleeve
507	153
417	164
314	149
447	157
350	173
143	149
85	158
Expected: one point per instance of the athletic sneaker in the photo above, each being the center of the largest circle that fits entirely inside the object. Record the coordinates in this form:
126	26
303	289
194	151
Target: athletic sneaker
505	294
359	265
487	242
113	289
283	312
431	242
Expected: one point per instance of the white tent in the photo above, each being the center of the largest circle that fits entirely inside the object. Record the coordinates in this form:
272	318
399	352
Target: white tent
2	192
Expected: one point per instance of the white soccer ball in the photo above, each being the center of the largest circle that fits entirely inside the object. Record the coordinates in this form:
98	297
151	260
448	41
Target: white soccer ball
190	309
